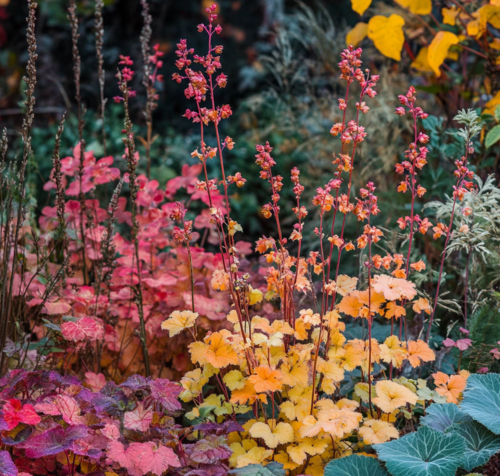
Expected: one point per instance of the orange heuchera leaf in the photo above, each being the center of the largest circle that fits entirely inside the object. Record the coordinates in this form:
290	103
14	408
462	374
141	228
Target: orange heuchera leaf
246	394
391	395
351	304
217	352
422	304
419	351
266	380
449	387
393	310
394	288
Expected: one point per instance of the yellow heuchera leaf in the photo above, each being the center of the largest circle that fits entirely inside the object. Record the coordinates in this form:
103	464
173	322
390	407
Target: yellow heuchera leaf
234	380
450	15
178	321
278	435
387	35
357	34
256	455
254	296
391	395
419	7
438	49
421	63
360	6
493	2
308	446
376	431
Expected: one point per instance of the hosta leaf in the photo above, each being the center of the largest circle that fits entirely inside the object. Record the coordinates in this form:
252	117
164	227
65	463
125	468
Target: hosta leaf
355	465
481	444
424	453
441	416
482	400
272	469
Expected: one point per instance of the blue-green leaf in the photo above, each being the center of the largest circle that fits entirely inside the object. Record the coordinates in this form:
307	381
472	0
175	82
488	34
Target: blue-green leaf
481	444
482	400
441	416
271	469
424	453
355	465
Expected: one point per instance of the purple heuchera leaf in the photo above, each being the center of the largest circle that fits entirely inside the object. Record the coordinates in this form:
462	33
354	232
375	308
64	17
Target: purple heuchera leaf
21	436
3	423
53	441
210	450
7	466
219	428
137	382
166	392
207	470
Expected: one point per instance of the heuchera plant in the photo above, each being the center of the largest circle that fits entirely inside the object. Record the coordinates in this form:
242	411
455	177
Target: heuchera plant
264	346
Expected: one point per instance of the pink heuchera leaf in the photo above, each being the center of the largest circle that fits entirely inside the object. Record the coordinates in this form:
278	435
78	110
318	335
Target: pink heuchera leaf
95	381
7	466
465	331
85	328
111	431
116	452
15	413
463	344
166	392
449	342
139	419
58	307
163	457
69	409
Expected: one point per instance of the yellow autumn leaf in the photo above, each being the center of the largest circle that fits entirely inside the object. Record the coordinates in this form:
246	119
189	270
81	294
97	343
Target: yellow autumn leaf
387	35
489	14
308	446
360	6
473	28
4	3
421	63
491	105
357	34
256	455
438	49
419	7
450	15
277	435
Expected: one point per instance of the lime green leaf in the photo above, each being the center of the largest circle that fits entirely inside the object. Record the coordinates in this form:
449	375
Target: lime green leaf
441	416
424	453
497	113
493	135
355	465
482	400
481	444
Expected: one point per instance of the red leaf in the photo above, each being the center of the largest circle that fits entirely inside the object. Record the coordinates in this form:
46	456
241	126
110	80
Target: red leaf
15	413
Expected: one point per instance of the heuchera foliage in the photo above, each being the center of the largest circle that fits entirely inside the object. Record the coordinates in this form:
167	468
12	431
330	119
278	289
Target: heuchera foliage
262	345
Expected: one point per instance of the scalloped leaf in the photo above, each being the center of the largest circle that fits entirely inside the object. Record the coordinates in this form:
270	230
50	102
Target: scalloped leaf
481	444
482	400
355	465
426	452
441	416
